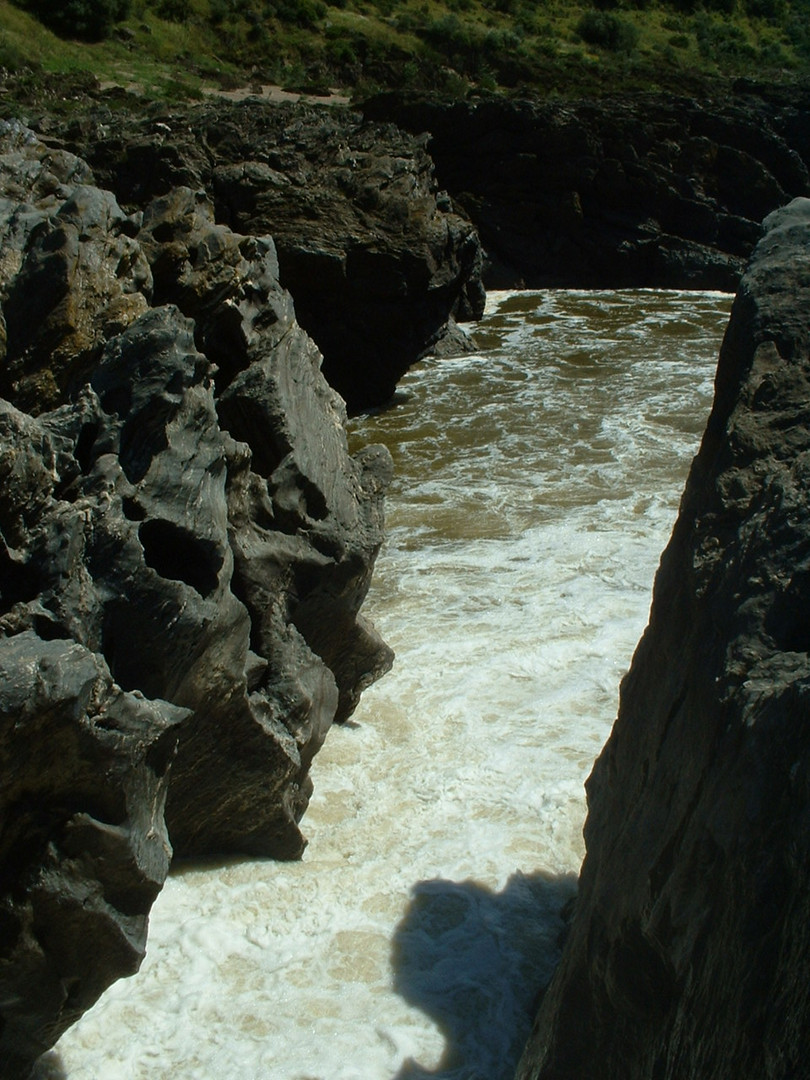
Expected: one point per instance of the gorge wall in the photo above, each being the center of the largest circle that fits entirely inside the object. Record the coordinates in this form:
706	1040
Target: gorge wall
376	260
185	545
689	951
186	542
636	191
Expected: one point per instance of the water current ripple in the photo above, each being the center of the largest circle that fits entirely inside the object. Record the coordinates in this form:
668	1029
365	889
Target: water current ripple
536	485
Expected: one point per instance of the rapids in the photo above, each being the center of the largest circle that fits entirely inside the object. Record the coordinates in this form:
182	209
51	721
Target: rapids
536	485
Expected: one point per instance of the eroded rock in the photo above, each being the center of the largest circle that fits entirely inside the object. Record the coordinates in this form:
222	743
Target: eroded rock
185	545
83	845
375	257
625	191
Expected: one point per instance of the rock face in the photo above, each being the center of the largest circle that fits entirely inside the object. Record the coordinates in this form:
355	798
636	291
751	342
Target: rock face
689	953
83	847
185	544
615	192
375	259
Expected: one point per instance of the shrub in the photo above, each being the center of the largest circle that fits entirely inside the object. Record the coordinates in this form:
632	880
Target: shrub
10	56
303	13
771	54
772	11
798	34
607	31
219	11
89	20
341	51
500	44
173	10
450	36
720	40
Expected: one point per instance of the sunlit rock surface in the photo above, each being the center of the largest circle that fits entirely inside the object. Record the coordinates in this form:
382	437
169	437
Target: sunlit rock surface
689	953
376	259
185	546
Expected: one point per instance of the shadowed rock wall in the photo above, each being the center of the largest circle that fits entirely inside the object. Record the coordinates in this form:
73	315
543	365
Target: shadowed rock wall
185	545
638	190
689	952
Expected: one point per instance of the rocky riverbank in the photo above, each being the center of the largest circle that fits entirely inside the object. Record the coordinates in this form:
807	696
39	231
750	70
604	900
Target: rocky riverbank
186	544
375	258
689	954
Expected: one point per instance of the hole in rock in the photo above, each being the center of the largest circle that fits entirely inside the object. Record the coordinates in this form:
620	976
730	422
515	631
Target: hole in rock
177	554
84	447
117	400
9	936
49	629
164	232
177	383
133	511
144	437
19	582
788	621
124	637
246	421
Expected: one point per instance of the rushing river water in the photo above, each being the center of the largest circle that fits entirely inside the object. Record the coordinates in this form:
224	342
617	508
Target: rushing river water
536	484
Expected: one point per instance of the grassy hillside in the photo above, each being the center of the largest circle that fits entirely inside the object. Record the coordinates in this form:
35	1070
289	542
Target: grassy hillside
175	48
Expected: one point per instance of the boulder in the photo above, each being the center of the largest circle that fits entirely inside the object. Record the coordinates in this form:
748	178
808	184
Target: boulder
185	546
375	257
83	845
625	191
70	271
689	952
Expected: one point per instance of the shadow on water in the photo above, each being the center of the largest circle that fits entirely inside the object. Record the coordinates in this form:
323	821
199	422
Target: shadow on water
49	1067
477	962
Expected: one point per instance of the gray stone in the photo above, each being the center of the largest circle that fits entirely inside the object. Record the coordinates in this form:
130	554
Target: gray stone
689	953
185	546
375	257
83	845
622	191
70	273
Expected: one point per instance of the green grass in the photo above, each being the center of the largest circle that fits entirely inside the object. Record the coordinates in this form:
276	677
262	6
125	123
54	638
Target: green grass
177	48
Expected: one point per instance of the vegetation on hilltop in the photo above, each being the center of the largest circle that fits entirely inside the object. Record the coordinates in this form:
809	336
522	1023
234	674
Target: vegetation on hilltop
177	47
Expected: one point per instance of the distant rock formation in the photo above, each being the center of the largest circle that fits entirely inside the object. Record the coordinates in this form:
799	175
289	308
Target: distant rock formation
638	190
689	952
185	544
375	259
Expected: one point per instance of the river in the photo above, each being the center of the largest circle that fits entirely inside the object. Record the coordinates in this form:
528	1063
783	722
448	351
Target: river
536	485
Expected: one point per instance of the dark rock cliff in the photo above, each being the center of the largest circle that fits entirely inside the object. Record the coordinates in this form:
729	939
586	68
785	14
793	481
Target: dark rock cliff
689	952
373	255
627	191
185	545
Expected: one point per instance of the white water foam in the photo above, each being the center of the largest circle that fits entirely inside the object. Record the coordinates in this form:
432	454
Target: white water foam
536	486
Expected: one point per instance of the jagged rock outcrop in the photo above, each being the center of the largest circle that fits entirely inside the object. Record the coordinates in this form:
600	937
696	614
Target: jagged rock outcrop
185	544
638	190
83	845
375	258
689	953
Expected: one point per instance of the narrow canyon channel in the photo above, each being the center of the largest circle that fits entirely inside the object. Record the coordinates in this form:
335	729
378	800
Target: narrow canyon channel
536	484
